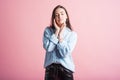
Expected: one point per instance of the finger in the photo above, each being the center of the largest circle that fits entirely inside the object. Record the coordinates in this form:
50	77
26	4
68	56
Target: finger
63	25
54	23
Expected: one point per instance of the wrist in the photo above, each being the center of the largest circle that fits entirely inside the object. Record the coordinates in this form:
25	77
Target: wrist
57	33
60	38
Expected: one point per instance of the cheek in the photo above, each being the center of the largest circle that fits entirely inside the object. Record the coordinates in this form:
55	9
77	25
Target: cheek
65	17
56	18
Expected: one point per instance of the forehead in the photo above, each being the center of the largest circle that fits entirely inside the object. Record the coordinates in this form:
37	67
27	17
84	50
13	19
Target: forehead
59	10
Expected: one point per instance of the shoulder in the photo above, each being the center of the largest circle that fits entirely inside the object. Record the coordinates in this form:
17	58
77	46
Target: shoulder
72	32
48	29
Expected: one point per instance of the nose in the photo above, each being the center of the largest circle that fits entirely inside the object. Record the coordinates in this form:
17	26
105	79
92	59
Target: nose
59	16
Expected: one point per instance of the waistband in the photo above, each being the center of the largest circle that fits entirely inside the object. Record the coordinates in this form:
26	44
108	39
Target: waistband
58	66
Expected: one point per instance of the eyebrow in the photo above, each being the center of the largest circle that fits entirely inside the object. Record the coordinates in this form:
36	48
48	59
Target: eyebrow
60	12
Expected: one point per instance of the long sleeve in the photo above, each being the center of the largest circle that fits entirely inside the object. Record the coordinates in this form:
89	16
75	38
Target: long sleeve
59	52
49	40
66	47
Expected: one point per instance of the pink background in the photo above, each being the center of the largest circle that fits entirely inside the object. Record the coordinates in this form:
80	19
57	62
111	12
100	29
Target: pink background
97	23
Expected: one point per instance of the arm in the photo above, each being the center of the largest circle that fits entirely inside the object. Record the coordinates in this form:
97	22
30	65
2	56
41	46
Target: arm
49	40
66	47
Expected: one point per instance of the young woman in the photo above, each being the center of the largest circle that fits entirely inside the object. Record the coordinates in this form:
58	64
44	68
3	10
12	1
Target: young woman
59	41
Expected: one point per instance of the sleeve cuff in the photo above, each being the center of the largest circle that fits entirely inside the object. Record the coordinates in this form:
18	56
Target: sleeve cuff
61	44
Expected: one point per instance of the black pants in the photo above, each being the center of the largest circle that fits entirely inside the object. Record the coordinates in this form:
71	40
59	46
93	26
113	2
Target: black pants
58	72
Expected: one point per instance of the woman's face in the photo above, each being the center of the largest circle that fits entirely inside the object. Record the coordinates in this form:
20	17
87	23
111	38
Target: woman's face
60	16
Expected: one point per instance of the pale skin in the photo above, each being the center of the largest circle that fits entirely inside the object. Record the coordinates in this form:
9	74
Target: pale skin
60	23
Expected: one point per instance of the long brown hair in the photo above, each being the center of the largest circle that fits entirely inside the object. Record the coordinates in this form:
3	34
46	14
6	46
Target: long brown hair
53	16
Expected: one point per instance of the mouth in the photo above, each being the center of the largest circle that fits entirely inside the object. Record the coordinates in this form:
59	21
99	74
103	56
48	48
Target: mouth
60	20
